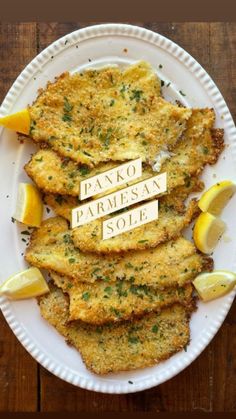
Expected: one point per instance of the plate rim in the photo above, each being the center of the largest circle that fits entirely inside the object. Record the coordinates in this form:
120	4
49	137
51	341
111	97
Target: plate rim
210	87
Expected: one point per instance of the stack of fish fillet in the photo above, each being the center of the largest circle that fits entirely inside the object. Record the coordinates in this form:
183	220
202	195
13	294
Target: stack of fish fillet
125	302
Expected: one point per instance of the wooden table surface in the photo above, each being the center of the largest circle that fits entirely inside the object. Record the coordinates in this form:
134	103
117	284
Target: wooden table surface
209	384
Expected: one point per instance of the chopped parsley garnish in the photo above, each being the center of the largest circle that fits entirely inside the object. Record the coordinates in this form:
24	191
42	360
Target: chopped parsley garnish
112	102
67	109
108	290
119	290
136	95
142	241
128	265
25	232
67	106
155	328
67	238
71	260
87	154
115	311
66	117
122	90
106	137
32	127
205	150
162	83
95	271
84	170
182	93
86	296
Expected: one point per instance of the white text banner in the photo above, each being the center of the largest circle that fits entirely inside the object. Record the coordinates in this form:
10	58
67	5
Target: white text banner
118	200
131	219
109	179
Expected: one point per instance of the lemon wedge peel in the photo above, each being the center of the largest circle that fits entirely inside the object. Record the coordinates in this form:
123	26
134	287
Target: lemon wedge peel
216	198
207	231
19	121
25	284
29	206
215	284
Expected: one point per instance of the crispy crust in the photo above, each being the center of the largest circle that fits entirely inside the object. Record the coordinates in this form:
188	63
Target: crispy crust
169	225
171	264
218	141
101	302
104	114
189	159
144	342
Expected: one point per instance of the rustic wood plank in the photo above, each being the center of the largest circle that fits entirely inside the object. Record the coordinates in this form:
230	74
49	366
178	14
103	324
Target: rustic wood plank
51	31
193	37
223	60
18	374
18	371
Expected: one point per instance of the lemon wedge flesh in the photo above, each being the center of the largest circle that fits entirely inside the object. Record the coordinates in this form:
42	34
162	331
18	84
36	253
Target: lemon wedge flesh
19	121
26	284
207	231
214	284
216	198
29	206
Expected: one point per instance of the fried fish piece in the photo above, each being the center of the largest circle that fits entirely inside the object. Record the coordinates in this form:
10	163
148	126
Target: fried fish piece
123	346
199	146
173	218
56	175
107	114
101	303
169	265
63	204
168	226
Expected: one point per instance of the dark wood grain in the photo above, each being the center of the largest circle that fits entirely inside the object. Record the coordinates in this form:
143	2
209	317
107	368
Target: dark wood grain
18	370
209	384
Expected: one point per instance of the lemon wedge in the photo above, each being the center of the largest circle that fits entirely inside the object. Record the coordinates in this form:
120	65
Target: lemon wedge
29	206
26	284
19	121
207	231
214	284
216	198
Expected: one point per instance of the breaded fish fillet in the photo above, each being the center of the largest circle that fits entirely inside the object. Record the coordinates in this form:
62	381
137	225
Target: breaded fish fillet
122	347
168	226
101	303
173	217
107	114
63	204
169	265
52	173
199	146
